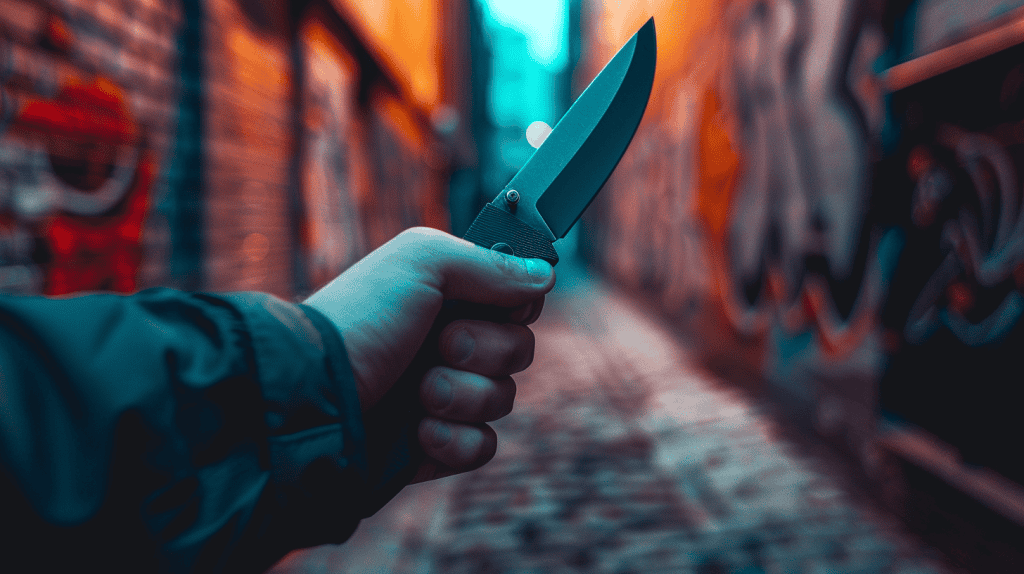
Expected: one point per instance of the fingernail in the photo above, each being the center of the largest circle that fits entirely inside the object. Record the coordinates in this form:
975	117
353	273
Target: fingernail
440	434
462	346
538	269
441	396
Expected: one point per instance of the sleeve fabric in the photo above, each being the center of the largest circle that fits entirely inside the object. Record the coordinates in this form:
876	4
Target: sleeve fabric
172	432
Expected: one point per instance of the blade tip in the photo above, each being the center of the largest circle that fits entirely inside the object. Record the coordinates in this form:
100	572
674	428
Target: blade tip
647	29
648	34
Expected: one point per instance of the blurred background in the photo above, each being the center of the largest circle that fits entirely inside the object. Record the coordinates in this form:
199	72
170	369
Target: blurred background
822	203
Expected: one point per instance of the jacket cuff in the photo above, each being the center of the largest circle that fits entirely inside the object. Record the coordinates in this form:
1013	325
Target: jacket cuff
315	437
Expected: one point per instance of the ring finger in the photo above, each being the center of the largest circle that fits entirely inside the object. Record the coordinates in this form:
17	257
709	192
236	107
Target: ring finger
456	395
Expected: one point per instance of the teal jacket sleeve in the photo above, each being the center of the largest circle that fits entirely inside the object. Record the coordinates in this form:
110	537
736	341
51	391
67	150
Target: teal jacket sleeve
173	432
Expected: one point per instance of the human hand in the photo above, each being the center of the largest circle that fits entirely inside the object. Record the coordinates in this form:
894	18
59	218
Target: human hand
385	305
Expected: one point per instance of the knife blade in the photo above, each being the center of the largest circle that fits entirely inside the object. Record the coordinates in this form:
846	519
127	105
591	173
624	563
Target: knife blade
561	179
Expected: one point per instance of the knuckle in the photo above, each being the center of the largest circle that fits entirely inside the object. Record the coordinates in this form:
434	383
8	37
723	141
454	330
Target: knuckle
419	232
470	448
520	314
528	358
432	375
538	308
464	449
486	447
409	236
435	435
519	355
437	391
502	400
471	396
490	444
458	342
423	243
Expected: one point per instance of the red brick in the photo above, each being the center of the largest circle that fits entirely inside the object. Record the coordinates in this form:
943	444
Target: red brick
22	20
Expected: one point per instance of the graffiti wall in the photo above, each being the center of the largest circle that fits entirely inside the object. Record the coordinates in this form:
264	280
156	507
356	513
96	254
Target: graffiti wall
85	121
953	316
824	195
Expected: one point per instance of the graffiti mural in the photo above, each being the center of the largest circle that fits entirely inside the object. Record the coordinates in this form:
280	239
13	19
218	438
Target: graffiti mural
84	184
77	166
956	300
983	247
806	111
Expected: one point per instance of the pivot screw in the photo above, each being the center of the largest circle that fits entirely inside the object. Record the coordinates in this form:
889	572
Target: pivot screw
512	197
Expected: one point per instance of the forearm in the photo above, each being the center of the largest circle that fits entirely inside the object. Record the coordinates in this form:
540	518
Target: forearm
194	432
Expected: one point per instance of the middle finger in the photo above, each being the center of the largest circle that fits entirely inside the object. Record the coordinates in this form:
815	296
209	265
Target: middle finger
485	348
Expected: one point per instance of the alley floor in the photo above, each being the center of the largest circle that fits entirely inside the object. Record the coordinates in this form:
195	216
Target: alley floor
623	456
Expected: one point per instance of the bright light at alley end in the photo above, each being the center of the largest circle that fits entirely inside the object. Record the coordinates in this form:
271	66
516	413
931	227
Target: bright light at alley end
542	22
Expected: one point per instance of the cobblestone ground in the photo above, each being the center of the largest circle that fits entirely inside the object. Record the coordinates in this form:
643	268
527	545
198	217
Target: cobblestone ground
621	457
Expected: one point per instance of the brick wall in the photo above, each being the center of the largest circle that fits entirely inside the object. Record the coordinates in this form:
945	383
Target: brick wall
372	163
249	143
241	148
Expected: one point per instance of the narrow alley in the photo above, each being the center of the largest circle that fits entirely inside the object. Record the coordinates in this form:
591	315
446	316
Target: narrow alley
623	456
791	344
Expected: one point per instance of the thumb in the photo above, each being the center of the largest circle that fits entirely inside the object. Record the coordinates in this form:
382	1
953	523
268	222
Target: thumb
464	271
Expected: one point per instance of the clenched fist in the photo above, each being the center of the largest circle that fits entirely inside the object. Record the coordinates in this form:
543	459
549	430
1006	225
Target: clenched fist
385	306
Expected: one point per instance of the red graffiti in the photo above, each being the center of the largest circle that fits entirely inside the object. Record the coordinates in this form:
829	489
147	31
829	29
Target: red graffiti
94	234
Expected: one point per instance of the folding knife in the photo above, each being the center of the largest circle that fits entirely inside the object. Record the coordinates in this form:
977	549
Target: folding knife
539	205
561	178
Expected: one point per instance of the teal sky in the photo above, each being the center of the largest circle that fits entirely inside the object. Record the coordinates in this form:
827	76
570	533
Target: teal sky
542	21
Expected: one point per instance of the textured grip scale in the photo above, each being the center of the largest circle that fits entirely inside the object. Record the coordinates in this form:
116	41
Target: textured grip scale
493	226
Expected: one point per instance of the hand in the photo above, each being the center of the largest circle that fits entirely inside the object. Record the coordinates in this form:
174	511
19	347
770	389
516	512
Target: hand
385	305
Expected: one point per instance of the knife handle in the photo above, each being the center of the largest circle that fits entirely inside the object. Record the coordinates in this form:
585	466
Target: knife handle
498	229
